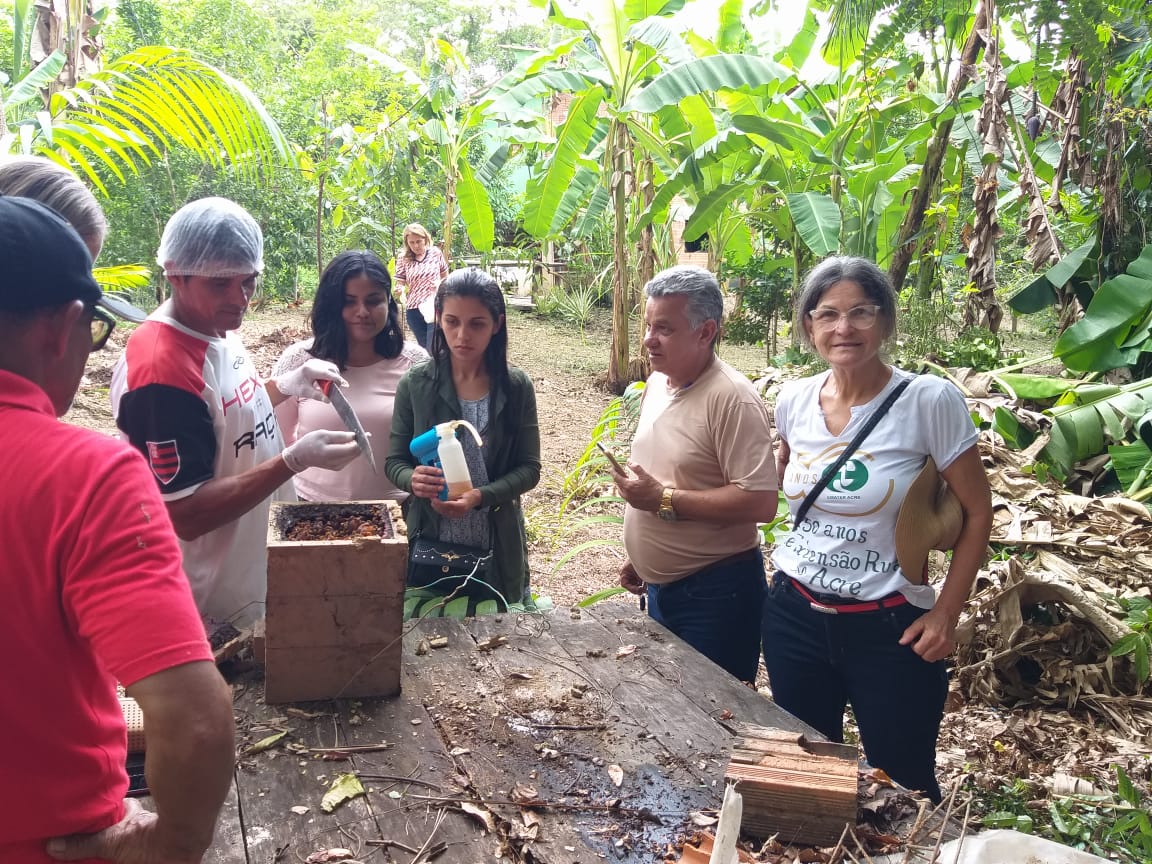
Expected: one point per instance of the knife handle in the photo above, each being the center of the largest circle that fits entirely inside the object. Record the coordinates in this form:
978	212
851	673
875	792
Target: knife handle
325	384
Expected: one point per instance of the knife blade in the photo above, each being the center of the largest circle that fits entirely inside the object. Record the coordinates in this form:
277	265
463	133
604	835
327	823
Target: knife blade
348	414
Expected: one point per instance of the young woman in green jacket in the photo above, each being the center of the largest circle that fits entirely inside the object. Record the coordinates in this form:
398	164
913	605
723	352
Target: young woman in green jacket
468	378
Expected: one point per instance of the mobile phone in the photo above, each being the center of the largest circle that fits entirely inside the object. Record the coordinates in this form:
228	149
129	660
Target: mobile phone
615	462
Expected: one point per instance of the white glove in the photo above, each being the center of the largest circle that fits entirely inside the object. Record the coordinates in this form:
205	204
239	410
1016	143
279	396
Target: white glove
321	449
301	381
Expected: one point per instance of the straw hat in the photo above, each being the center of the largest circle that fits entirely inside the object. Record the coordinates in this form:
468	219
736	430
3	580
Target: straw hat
930	518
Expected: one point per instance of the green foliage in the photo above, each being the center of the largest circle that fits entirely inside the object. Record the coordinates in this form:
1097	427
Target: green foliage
779	524
576	305
1082	426
143	104
924	325
1015	434
1138	643
763	289
817	220
614	429
1117	326
976	347
584	482
1114	826
597	596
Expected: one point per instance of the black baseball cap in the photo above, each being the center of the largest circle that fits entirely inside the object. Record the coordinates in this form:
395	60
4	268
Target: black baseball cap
43	262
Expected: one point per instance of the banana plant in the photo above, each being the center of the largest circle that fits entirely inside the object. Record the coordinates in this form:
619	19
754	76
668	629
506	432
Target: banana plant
625	112
455	121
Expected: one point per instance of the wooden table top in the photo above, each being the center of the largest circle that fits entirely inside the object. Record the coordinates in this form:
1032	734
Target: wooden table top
614	729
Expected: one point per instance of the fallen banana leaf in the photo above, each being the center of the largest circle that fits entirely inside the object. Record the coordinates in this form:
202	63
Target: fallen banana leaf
1080	431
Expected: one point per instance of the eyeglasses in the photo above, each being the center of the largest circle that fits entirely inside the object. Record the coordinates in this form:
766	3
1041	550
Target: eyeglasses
859	317
102	326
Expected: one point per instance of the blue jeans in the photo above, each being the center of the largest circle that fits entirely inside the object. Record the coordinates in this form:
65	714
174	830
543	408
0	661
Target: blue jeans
421	329
717	611
818	663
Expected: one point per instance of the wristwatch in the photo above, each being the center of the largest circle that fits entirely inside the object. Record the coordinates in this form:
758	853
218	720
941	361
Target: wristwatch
666	511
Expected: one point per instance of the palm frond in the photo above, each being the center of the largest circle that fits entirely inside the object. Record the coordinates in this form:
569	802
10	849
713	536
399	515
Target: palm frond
152	100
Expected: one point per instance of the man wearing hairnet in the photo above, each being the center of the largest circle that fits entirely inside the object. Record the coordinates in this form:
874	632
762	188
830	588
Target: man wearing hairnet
186	394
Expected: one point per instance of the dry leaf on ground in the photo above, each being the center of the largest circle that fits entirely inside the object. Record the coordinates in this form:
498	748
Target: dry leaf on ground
343	788
265	743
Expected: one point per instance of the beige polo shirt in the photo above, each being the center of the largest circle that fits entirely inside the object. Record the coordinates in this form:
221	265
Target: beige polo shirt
705	436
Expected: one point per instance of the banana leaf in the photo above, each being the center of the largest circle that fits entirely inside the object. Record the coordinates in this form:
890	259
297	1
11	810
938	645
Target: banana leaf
721	71
690	172
546	192
817	220
1130	461
1040	387
475	207
1081	431
1015	434
1116	325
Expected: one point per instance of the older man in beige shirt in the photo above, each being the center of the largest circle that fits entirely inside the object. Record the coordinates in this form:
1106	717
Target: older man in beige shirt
700	478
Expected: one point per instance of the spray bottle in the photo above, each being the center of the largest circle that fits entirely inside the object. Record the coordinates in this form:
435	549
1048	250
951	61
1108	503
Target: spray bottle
440	448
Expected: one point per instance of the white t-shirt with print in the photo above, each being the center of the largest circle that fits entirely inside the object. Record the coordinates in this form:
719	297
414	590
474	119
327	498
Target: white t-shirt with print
846	544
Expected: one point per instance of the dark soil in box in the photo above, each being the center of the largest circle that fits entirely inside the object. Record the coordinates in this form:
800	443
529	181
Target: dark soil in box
333	522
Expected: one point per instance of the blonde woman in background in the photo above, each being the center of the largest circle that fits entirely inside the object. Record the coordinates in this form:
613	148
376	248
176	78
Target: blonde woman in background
420	268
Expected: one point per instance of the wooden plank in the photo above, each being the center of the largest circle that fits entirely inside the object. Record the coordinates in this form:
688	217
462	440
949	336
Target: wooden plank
552	708
560	734
420	754
643	732
681	662
271	783
653	684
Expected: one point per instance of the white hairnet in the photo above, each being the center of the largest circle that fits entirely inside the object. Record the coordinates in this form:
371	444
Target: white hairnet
211	237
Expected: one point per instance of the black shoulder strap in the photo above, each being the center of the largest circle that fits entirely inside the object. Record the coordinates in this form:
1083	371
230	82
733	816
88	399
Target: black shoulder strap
832	471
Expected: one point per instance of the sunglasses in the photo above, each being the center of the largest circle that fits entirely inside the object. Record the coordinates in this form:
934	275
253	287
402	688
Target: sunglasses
102	326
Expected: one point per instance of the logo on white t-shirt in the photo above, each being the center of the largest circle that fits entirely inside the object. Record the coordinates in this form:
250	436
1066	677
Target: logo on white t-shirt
852	477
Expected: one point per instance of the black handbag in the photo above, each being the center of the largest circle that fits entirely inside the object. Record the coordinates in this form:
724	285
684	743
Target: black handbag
445	568
442	559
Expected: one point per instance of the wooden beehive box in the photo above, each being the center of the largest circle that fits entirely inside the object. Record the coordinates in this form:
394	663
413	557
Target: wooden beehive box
803	790
334	608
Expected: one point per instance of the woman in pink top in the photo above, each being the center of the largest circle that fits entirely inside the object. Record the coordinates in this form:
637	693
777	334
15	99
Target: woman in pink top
356	325
420	268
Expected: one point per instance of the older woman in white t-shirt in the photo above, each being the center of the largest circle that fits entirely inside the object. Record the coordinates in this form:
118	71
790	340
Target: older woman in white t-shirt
843	624
356	325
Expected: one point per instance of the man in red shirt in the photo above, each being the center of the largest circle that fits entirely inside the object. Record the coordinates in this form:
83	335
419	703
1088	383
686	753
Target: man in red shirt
92	592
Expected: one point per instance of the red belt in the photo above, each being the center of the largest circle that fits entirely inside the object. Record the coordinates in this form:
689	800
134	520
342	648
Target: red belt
849	606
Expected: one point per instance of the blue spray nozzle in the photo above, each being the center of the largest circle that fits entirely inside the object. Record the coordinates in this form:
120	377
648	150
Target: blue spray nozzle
425	447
